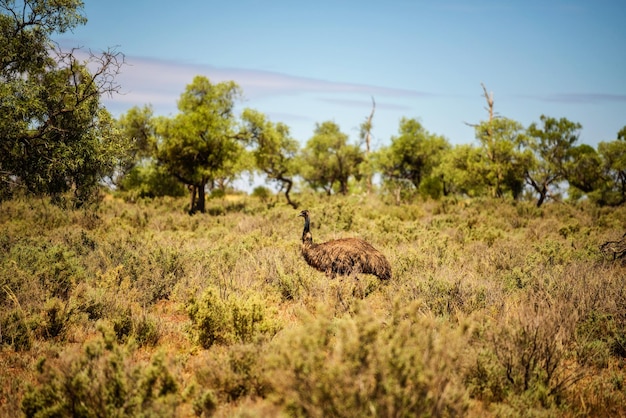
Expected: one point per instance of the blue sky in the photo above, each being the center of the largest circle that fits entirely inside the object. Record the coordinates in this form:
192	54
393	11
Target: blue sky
306	62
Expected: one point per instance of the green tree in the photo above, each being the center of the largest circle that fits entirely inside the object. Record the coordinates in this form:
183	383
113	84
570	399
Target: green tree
551	146
25	30
613	154
137	128
55	136
412	157
503	163
461	171
583	171
199	146
149	179
274	151
328	160
140	174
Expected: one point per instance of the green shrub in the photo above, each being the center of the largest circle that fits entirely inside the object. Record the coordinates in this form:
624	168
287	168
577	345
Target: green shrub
48	270
141	328
146	331
361	366
525	357
205	404
262	193
150	180
123	324
220	320
211	320
229	374
56	316
100	381
15	331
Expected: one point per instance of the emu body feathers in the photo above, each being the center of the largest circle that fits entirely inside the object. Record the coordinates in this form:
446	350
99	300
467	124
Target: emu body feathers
343	256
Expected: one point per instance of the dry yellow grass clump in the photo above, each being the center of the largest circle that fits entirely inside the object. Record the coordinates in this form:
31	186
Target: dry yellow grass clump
495	309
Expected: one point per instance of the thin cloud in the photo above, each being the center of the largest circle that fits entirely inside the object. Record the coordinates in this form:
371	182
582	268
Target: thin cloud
147	80
288	117
582	98
367	104
586	98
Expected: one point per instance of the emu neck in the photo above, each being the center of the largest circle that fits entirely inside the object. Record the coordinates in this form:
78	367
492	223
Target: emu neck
307	238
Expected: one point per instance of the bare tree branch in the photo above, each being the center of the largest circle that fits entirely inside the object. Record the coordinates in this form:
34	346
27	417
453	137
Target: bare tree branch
490	104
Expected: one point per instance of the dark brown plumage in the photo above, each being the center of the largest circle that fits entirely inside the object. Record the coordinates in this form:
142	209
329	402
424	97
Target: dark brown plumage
617	249
343	256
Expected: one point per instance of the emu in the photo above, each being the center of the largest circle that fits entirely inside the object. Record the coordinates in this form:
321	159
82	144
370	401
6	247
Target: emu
343	256
615	248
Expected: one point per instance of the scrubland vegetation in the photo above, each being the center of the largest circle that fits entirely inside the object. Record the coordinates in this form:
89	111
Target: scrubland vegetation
495	308
146	303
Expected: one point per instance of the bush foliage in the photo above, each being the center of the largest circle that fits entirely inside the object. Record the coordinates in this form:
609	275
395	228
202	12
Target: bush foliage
496	308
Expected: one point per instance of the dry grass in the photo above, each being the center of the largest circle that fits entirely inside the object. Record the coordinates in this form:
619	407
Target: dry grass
495	309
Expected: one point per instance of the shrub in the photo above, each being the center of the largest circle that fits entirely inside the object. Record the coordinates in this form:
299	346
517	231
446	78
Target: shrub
150	180
147	331
234	319
228	374
48	270
100	380
56	315
210	318
262	193
361	366
525	356
15	331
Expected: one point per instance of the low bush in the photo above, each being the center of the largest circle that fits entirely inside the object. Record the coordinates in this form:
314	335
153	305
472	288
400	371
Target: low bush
98	380
235	319
360	365
495	309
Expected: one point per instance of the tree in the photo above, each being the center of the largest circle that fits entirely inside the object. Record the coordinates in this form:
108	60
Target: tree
613	154
149	179
328	160
461	171
140	174
199	146
25	30
54	134
412	157
583	171
274	151
551	146
365	134
503	162
137	128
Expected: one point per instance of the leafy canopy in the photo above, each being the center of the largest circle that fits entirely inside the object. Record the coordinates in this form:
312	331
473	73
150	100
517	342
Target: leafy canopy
200	145
328	160
552	146
413	156
54	134
273	149
503	162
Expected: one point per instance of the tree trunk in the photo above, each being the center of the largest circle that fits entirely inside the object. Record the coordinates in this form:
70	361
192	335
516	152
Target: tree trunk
444	184
289	183
201	207
192	190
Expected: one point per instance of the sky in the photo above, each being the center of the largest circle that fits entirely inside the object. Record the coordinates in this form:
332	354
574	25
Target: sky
307	62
